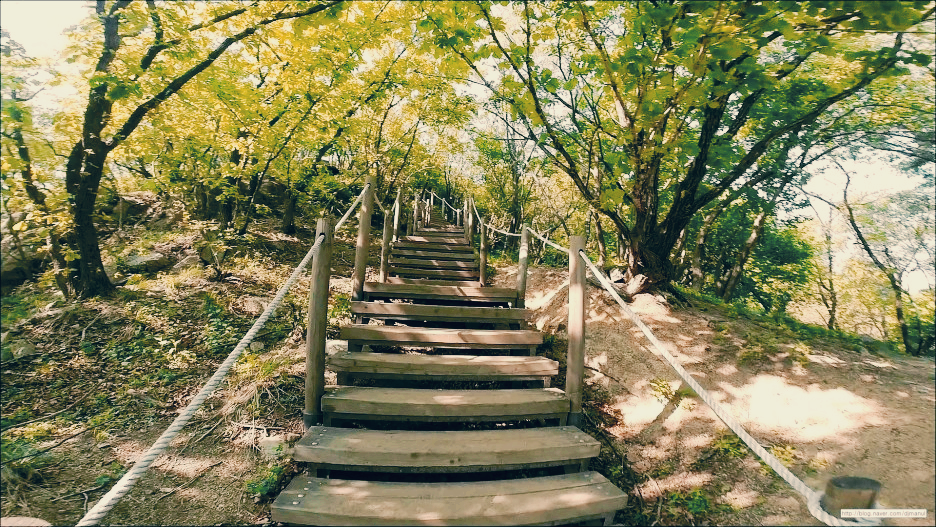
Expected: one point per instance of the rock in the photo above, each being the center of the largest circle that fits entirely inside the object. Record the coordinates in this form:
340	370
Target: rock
129	209
616	275
253	305
168	220
274	446
6	355
208	253
152	262
272	193
22	521
335	346
256	346
189	261
22	348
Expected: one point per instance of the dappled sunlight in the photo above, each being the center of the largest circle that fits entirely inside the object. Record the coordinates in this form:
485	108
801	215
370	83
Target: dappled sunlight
769	404
740	497
681	481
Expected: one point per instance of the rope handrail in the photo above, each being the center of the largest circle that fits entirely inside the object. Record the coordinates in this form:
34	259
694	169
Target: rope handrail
480	219
126	483
502	232
813	498
350	210
554	245
444	201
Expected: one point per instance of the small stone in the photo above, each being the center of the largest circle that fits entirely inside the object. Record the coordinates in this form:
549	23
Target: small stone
104	445
256	346
165	489
22	348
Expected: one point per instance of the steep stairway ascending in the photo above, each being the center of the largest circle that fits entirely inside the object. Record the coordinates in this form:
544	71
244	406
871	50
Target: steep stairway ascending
495	451
436	252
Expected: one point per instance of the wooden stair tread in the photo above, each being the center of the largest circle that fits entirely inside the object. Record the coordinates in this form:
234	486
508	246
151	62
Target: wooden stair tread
443	451
433	255
561	498
431	263
467	366
425	281
401	311
433	246
445	336
481	294
440	239
447	405
433	273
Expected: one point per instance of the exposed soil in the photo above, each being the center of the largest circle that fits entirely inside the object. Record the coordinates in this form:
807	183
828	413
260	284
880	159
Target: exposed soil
832	411
826	411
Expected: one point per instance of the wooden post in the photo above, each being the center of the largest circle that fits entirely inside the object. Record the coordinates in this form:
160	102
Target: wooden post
469	225
458	218
318	319
431	200
397	205
415	215
385	249
575	360
522	265
849	492
482	228
363	242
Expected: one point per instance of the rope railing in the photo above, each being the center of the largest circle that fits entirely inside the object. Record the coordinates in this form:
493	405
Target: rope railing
503	232
813	498
126	483
548	242
444	201
351	209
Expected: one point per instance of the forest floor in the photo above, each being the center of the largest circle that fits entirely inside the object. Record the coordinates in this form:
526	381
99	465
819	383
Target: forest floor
119	369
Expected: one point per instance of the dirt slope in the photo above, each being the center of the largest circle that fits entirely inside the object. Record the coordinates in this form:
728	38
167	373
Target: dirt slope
824	411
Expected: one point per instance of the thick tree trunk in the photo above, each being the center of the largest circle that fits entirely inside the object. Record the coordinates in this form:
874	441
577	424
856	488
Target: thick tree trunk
83	174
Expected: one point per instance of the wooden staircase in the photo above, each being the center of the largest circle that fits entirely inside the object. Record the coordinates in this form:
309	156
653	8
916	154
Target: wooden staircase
443	414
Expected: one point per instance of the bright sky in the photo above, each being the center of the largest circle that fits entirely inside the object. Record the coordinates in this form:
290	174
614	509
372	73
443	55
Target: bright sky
39	25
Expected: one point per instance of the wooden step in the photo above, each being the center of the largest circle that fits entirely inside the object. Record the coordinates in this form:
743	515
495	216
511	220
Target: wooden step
441	337
433	247
424	281
410	404
543	500
414	366
376	290
453	451
433	255
443	230
442	239
434	273
431	264
418	312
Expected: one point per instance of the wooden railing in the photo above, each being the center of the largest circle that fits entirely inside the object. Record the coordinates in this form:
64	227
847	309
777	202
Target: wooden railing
470	219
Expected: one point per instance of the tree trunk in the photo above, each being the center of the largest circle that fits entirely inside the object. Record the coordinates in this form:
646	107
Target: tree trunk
602	249
289	215
734	275
83	174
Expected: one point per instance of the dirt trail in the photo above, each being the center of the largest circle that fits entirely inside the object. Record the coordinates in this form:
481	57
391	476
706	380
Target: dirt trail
832	412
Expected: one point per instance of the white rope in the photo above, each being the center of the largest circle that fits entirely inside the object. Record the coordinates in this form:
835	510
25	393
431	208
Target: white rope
480	219
503	232
554	245
444	201
118	491
353	205
122	487
380	205
813	498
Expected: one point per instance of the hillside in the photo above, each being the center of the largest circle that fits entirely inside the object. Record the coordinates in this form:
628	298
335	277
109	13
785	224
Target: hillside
105	377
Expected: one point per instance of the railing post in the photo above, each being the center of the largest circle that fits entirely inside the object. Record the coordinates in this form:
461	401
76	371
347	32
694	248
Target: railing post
575	360
363	242
318	319
522	264
385	249
458	218
415	215
397	205
484	253
469	223
431	200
